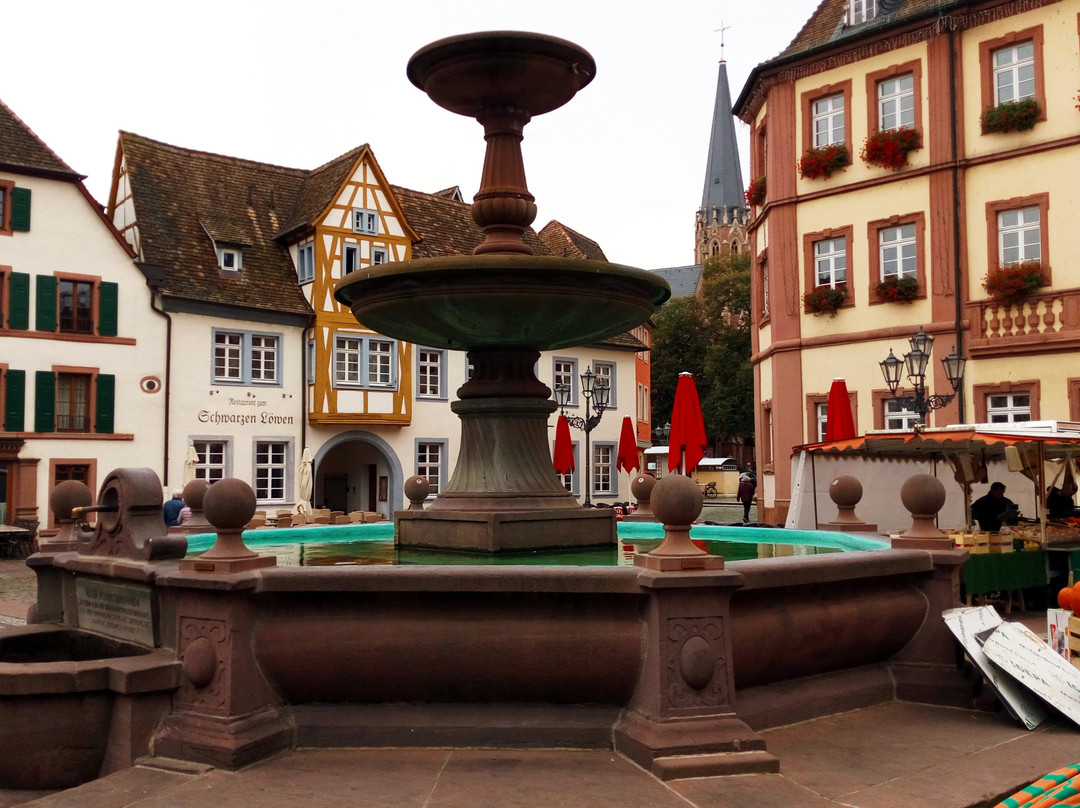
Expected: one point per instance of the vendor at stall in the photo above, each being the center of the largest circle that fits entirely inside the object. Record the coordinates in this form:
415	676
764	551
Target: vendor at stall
994	509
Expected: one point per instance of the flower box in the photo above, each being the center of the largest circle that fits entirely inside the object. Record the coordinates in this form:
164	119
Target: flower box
890	148
825	300
1012	116
755	194
1013	284
897	290
824	162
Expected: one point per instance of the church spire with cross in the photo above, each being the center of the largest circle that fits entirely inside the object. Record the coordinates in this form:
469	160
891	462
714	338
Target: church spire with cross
722	218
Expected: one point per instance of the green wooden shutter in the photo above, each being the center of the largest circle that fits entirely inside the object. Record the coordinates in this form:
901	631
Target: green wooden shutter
106	397
44	401
108	293
45	319
19	300
20	209
14	400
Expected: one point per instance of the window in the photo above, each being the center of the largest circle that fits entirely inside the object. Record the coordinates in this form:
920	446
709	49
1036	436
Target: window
243	357
350	258
76	306
14	209
569	480
861	11
765	313
1019	236
72	402
898	416
430	373
311	361
271	466
62	472
379	255
1008	408
821	420
1014	73
603	470
898	254
643	403
70	304
828	121
365	221
305	263
230	259
830	262
364	362
564	372
431	463
5	206
606	371
211	459
896	103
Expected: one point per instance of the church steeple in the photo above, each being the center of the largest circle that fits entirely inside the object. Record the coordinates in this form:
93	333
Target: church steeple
721	221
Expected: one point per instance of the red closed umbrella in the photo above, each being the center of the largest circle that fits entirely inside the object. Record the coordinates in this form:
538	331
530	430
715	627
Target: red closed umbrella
627	458
687	443
839	422
564	447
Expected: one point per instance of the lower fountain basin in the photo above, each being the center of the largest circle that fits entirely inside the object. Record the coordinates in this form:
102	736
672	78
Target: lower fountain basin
501	300
59	692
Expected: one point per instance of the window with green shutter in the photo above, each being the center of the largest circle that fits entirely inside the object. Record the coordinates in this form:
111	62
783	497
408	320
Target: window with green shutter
18	300
108	294
14	400
106	398
20	210
45	308
44	401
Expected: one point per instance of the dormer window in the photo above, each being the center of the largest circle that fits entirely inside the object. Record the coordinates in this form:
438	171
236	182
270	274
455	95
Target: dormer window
230	259
860	11
365	221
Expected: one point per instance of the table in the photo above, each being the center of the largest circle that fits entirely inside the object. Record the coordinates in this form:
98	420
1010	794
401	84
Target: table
1005	572
10	536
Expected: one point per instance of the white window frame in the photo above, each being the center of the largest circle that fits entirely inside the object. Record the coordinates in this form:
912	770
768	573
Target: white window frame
305	262
860	11
249	358
899	251
214	457
362	353
350	258
828	120
898	416
564	371
272	473
830	262
311	361
431	456
230	259
821	419
896	102
379	255
430	373
1008	408
571	480
606	370
1014	72
1019	235
366	221
604	477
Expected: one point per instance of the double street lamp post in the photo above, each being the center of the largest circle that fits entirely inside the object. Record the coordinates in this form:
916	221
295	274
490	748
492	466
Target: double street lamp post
916	361
596	392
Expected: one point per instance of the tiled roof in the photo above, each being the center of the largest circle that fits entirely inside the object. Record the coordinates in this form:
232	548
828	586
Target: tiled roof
184	198
22	150
566	243
319	188
682	280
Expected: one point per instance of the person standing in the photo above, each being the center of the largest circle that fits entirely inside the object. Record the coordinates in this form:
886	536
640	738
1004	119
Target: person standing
171	510
747	487
992	509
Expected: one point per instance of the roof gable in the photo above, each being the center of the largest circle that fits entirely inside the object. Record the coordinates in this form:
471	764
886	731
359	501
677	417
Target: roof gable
23	151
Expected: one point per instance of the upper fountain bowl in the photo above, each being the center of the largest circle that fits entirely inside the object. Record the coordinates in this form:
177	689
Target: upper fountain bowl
471	73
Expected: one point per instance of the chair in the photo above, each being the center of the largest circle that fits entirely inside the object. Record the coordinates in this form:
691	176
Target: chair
27	543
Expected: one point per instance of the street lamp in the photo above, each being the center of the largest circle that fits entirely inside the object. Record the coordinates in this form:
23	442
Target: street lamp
915	361
596	392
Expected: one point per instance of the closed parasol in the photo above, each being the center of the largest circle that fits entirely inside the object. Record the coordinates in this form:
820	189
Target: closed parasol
564	447
190	462
306	484
839	422
627	458
687	443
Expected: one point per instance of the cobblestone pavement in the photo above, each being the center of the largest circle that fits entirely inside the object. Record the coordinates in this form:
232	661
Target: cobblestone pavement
18	589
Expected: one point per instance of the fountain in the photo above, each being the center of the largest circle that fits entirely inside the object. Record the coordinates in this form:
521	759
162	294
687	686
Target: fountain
503	306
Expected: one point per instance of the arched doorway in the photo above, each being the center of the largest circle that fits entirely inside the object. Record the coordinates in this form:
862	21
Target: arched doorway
358	471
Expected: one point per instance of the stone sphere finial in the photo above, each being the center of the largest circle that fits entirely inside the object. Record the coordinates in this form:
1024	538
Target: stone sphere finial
68	495
845	491
229	504
642	488
923	495
193	494
417	489
676	500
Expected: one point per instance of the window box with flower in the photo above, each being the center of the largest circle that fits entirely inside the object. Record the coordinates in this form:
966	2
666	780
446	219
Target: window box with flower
897	290
822	163
1014	283
825	300
890	148
1011	116
755	194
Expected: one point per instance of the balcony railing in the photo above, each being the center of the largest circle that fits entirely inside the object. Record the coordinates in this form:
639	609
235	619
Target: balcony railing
1041	322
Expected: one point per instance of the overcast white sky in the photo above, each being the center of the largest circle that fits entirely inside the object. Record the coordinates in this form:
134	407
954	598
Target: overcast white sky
298	82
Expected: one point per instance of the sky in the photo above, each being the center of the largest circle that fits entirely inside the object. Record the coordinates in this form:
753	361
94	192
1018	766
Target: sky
299	82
